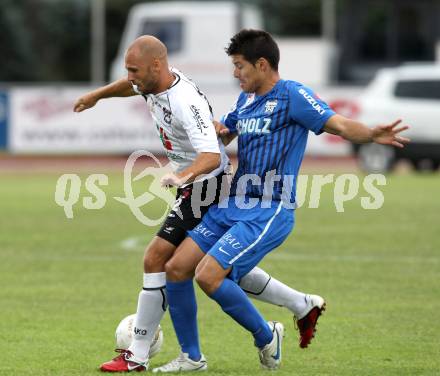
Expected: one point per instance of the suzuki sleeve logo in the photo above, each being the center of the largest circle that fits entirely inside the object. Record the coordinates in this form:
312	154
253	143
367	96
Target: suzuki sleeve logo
312	101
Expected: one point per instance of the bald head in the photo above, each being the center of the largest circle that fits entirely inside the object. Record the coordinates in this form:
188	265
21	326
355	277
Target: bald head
147	46
147	65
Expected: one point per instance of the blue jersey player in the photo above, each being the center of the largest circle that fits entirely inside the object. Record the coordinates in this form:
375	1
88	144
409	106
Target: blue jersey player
272	118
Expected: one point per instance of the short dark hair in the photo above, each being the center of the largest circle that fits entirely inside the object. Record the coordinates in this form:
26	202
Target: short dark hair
254	44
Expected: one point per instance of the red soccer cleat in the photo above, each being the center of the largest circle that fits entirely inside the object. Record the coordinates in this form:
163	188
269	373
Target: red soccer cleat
308	321
122	363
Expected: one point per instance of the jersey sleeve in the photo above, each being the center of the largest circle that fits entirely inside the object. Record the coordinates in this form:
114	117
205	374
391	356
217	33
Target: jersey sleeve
230	118
196	119
308	109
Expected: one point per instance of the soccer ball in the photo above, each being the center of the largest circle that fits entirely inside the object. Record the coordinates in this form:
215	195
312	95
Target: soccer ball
124	336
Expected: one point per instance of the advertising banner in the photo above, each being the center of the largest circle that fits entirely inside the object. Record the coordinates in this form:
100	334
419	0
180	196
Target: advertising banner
42	121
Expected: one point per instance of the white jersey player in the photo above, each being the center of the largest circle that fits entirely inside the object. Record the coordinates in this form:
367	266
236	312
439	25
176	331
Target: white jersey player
183	119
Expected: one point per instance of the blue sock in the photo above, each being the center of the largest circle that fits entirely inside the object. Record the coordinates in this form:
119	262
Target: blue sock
183	311
236	304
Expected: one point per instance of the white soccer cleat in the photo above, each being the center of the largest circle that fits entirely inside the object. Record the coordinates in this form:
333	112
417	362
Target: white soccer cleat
270	355
183	364
312	301
308	319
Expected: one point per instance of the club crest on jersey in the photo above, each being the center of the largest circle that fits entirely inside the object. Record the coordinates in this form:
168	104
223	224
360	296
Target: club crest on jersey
270	106
166	112
166	115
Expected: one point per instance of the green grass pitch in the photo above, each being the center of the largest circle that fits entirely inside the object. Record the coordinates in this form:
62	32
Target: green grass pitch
65	284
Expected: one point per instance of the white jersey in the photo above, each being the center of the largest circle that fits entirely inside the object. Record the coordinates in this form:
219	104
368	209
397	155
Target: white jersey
183	119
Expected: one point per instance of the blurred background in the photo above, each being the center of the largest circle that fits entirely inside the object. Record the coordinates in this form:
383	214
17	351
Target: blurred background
54	51
52	41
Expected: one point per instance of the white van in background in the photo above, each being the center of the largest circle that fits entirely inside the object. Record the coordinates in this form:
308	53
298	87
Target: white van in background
412	93
195	34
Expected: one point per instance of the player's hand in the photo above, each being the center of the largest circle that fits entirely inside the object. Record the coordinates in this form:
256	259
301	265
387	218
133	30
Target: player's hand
85	102
389	134
171	180
223	132
220	129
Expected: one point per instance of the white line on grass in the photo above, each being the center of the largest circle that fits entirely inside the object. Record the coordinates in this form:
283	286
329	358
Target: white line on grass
133	243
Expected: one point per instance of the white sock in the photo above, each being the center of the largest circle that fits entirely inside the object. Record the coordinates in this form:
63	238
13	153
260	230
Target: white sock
257	284
151	307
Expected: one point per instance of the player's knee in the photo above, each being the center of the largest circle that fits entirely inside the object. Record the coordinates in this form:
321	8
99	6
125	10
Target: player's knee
154	261
205	281
175	271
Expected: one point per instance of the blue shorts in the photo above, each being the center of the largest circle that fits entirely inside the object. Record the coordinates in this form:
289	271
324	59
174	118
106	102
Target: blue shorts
240	238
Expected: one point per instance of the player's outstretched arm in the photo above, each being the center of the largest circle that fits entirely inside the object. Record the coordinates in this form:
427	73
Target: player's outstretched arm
354	131
118	88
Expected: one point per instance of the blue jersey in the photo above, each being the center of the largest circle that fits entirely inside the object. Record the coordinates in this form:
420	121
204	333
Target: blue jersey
272	136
